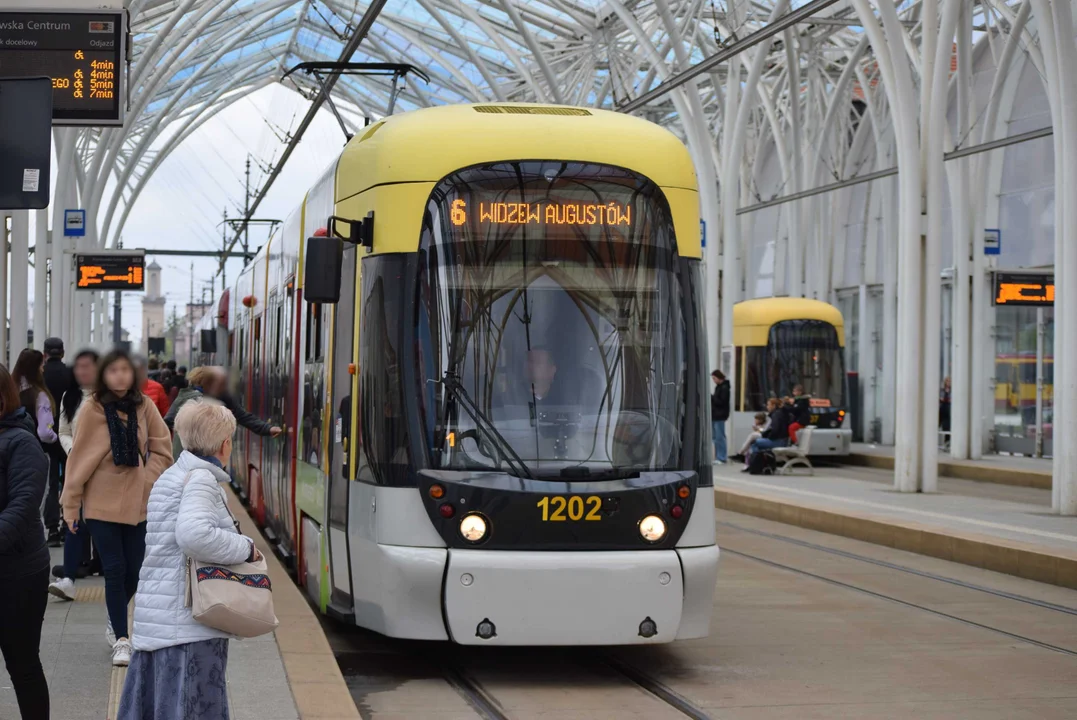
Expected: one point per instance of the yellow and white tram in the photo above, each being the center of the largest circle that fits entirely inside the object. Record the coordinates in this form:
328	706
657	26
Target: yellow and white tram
483	331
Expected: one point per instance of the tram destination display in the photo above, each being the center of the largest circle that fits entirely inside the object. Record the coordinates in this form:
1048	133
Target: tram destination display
82	53
1024	289
110	271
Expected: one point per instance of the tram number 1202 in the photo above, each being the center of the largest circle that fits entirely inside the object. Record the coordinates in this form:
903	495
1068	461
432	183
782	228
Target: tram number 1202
558	508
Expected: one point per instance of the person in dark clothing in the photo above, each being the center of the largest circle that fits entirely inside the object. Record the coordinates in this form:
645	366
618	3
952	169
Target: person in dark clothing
775	436
78	558
719	414
24	558
58	381
212	382
802	405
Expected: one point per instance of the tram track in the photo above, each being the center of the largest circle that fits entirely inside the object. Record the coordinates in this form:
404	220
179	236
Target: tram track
891	598
488	707
658	689
471	673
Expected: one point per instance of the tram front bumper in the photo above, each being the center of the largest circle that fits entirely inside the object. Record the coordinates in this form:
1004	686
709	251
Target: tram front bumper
495	597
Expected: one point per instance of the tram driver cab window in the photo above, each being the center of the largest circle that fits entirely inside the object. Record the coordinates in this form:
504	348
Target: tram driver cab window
555	344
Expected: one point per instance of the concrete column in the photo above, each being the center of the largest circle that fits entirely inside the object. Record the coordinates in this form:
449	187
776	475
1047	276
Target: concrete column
897	78
20	266
935	130
1064	467
102	339
41	255
82	299
65	180
792	265
961	313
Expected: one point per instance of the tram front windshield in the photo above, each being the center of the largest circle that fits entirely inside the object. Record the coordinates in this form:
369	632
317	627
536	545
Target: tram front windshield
806	353
551	313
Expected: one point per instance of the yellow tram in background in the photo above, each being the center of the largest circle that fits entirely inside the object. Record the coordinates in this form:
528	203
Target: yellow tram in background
781	342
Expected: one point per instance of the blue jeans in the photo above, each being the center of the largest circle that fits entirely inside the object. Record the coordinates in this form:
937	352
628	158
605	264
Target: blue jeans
765	444
122	548
718	432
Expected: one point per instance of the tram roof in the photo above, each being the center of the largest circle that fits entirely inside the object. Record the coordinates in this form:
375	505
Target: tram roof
412	147
752	319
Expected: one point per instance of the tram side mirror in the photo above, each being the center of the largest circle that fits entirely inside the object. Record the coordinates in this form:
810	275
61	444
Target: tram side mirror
324	264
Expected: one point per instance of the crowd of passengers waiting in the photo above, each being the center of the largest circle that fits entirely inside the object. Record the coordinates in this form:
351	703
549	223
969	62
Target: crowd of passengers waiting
119	461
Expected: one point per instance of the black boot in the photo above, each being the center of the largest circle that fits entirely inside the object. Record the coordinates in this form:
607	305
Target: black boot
82	572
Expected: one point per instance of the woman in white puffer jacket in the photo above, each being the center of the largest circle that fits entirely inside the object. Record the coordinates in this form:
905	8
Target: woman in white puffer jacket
178	668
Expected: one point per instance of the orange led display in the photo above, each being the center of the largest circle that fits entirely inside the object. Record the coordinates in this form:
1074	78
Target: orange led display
110	272
544	213
1012	289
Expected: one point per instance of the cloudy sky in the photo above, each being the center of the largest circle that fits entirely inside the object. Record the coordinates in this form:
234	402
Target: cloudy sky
182	204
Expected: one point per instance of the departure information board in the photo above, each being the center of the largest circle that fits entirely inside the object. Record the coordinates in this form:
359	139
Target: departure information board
1024	289
110	271
83	54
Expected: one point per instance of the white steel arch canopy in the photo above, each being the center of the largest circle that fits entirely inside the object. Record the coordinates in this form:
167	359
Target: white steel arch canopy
192	58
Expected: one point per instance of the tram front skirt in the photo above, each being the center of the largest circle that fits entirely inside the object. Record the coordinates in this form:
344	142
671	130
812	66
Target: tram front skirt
565	598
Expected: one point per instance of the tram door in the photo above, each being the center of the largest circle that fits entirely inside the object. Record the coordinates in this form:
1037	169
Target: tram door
1024	380
338	423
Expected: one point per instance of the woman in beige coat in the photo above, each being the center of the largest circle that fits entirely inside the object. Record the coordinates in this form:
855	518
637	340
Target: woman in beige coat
121	447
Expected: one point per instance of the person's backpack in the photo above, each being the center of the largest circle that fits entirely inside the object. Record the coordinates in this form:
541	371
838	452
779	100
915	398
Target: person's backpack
763	463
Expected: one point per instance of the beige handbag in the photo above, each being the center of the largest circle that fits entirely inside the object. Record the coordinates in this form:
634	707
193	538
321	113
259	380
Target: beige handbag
235	599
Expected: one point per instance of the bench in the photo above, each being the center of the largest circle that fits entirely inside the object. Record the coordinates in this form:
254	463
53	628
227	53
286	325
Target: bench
795	457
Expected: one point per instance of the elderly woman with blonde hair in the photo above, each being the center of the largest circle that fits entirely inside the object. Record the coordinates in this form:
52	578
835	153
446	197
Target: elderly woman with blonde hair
178	668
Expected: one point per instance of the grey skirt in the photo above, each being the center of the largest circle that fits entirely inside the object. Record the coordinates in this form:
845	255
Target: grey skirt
183	682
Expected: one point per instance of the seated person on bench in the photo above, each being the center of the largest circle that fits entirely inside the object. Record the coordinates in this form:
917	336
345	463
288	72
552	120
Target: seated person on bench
777	435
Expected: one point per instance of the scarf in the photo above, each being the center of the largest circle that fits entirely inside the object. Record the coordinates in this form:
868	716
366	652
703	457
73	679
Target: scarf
124	440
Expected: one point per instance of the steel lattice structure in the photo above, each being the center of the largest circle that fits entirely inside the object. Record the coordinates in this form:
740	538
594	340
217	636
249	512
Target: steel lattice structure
193	58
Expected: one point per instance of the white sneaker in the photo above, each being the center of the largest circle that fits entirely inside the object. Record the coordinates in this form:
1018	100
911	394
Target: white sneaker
64	588
110	634
121	653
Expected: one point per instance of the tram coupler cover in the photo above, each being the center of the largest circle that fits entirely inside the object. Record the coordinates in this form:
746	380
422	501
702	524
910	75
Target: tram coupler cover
486	629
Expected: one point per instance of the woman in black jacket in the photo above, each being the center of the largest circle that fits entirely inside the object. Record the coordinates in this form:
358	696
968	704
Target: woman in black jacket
775	436
24	559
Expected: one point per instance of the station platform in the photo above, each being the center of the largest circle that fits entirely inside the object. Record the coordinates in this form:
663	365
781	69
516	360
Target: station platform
1002	528
1015	470
289	675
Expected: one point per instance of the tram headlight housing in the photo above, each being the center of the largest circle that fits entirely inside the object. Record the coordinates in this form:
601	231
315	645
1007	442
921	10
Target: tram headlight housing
652	528
473	527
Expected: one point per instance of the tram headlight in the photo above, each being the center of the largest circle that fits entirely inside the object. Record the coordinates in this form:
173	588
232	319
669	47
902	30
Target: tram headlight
652	528
473	527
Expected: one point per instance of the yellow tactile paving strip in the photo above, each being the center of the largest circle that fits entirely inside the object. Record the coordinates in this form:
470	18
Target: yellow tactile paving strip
314	677
1055	566
115	690
91	594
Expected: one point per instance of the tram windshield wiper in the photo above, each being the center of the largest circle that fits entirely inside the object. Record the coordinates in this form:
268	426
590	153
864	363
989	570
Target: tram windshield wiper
583	472
485	426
